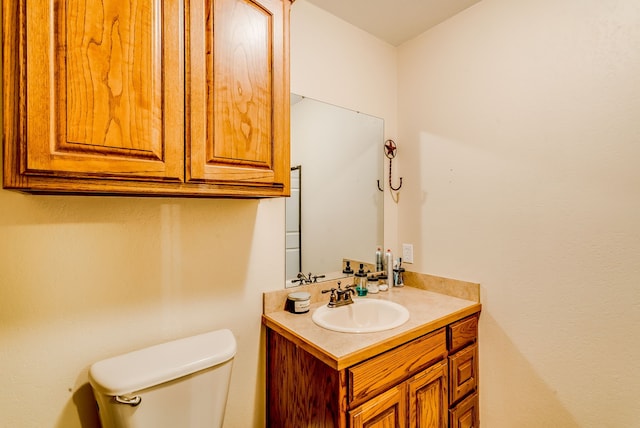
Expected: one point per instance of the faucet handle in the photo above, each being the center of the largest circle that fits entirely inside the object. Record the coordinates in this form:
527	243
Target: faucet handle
333	298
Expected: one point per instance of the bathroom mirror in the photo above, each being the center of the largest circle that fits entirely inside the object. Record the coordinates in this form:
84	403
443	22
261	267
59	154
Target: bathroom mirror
336	209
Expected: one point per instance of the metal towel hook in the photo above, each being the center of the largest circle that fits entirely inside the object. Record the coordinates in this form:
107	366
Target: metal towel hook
390	151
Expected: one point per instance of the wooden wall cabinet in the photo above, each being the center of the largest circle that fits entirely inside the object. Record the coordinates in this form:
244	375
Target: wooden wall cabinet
407	386
174	98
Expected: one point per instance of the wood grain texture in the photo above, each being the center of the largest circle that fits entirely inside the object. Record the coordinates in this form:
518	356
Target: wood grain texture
95	101
388	410
301	390
428	397
13	92
462	333
369	378
112	74
238	92
242	107
463	370
466	414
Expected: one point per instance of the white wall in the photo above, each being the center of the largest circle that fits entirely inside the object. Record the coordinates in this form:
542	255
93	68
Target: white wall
523	123
84	278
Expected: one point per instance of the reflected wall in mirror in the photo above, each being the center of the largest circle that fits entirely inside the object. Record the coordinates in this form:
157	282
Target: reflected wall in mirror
337	210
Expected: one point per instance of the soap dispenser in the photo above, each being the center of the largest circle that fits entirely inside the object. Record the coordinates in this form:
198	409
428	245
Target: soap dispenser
360	281
347	269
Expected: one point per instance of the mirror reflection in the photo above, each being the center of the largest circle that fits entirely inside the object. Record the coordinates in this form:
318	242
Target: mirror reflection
335	211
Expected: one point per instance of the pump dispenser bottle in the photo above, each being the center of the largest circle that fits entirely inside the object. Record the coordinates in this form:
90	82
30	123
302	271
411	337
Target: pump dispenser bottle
360	280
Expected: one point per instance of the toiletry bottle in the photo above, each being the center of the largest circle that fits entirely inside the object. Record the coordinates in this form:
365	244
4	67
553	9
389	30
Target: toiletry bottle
379	262
388	266
360	281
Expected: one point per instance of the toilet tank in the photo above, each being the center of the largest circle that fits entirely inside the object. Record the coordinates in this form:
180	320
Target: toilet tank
182	383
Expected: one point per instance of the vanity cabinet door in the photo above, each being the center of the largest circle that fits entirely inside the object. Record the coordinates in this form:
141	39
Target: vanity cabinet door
428	398
387	410
464	368
466	414
238	93
102	90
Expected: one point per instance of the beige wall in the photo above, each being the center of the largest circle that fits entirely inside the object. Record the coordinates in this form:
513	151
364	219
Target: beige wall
517	131
523	120
84	278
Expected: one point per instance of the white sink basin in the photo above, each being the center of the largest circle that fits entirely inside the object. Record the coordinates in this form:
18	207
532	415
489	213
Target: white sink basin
363	316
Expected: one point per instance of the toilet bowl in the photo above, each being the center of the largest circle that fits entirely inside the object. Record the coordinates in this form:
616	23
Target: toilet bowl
182	383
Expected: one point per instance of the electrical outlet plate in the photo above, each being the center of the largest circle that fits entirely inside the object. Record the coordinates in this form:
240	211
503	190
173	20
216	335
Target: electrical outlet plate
407	253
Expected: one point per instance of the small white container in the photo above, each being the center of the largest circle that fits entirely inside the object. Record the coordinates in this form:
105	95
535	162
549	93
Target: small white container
382	283
372	285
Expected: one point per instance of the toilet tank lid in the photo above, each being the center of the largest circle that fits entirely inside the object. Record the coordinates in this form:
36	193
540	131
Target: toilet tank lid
161	363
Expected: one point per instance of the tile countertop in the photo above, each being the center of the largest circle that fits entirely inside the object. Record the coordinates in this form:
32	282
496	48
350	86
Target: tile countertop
429	311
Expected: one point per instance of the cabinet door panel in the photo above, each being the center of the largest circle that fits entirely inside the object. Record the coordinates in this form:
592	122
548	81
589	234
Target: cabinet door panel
239	100
464	372
466	413
428	398
97	101
387	410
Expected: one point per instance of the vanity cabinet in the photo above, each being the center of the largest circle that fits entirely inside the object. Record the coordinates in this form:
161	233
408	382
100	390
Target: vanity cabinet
410	385
171	98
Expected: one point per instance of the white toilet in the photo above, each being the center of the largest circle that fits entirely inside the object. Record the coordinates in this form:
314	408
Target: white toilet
183	383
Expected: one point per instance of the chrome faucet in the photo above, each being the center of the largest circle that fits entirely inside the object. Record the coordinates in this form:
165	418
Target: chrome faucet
339	296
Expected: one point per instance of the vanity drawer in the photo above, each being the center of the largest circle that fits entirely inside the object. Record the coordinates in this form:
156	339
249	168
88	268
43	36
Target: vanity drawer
463	332
384	371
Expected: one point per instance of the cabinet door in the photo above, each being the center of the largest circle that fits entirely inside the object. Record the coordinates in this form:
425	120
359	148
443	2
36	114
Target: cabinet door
387	410
463	372
238	93
428	398
466	413
103	89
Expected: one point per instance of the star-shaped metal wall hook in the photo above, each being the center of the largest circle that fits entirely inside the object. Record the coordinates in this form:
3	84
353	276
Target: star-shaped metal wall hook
390	151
